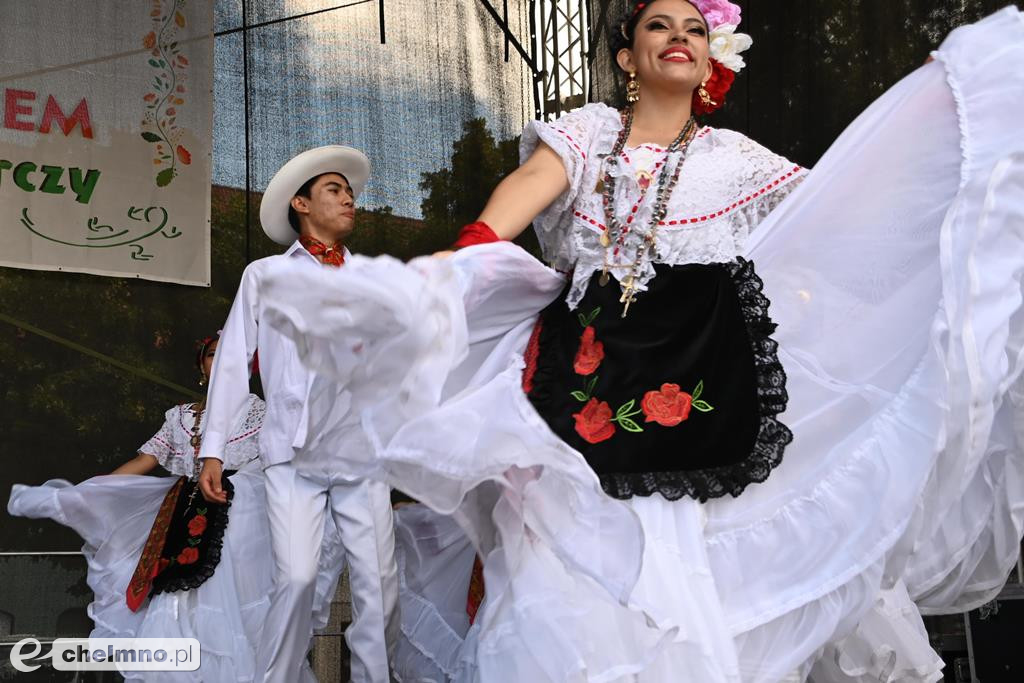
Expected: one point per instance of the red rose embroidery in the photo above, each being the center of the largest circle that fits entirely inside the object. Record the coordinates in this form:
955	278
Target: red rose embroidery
594	422
197	525
717	86
668	407
589	355
188	556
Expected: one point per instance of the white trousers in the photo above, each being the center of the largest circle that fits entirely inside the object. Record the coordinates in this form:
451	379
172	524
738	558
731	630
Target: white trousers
297	505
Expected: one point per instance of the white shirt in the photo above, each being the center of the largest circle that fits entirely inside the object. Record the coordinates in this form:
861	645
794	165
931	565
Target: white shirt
727	185
286	381
172	445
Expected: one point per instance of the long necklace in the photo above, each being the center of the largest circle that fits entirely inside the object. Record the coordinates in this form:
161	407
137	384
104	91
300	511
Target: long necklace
615	233
196	441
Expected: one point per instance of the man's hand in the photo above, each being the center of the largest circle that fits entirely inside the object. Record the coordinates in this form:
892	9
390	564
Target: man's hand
209	481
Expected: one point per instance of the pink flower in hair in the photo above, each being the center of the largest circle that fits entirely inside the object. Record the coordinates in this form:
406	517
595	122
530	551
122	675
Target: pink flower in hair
719	12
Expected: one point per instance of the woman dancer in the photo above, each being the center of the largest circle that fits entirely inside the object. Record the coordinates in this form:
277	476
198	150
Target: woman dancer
164	563
626	532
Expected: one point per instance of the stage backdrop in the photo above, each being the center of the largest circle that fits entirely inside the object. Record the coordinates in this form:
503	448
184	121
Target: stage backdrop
105	142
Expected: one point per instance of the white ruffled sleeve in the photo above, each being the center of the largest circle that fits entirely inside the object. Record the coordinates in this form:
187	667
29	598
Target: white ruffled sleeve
762	179
161	445
243	446
572	137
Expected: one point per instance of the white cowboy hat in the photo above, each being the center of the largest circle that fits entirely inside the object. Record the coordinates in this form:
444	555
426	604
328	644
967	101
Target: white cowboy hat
347	161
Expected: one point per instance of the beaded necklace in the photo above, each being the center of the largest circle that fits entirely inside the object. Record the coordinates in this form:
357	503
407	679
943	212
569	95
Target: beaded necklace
615	233
196	441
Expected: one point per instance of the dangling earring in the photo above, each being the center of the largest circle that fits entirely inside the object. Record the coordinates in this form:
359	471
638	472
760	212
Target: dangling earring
202	380
632	88
705	96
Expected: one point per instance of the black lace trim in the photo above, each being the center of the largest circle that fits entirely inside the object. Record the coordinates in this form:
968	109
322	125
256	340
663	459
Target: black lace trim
772	437
179	577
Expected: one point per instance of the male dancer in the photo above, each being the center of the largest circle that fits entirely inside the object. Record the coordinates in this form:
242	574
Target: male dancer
308	205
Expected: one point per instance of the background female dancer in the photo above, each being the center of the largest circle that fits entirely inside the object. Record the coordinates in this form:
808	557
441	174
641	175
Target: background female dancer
164	563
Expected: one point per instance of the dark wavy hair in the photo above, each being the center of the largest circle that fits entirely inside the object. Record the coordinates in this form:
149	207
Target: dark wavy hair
622	33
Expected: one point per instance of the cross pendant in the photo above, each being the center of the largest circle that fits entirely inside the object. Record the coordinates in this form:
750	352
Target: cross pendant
628	297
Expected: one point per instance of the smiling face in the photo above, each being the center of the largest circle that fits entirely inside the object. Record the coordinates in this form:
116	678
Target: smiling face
330	208
670	48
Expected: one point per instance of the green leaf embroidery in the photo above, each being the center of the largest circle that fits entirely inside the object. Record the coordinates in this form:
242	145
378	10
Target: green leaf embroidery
580	396
703	406
588	319
153	62
590	385
201	511
193	542
699	390
624	409
629	425
151	137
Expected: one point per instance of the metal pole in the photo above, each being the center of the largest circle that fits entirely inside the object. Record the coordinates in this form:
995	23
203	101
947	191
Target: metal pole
507	32
536	75
557	66
245	99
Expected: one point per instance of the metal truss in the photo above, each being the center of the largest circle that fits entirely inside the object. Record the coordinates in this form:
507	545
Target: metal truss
558	55
562	48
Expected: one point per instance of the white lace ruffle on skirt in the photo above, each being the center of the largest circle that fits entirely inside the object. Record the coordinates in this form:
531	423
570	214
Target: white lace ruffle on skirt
114	514
895	272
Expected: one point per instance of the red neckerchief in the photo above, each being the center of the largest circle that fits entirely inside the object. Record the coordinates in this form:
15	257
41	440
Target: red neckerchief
329	256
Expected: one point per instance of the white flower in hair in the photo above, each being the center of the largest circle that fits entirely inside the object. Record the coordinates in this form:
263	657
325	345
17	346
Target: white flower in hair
726	46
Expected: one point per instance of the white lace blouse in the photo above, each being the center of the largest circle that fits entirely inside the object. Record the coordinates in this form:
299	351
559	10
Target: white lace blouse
727	185
172	446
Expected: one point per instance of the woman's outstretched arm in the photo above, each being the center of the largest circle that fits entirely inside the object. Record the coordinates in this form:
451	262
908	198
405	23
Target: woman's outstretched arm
143	463
525	192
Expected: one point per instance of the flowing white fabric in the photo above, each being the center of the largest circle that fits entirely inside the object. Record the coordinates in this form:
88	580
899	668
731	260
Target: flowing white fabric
889	644
895	272
114	514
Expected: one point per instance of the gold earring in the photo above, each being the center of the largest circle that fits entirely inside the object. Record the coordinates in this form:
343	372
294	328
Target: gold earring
632	88
705	96
202	380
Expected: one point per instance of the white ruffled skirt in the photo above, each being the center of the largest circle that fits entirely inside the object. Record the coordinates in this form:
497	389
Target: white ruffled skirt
895	273
114	514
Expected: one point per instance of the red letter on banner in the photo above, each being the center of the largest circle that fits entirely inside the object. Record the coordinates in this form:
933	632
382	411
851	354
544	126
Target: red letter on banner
12	108
79	116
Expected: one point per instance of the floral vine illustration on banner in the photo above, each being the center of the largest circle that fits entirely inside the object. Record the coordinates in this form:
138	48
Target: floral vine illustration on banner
145	223
167	90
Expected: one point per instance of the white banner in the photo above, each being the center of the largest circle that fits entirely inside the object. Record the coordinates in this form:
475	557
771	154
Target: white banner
105	137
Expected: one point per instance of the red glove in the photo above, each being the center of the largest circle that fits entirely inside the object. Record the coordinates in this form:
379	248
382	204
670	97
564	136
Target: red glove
475	233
